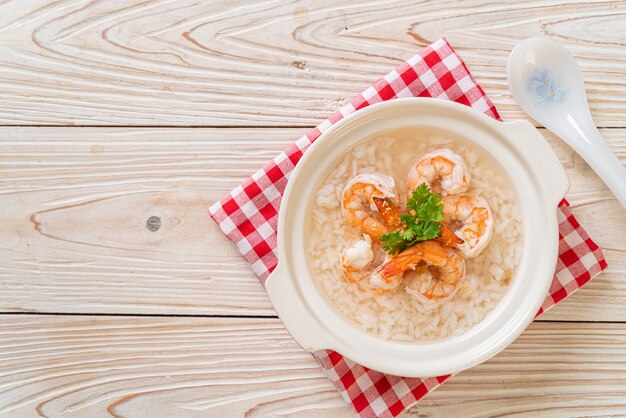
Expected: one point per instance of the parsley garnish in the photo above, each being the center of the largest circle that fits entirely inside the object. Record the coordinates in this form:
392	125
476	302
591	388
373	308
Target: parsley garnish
393	242
421	222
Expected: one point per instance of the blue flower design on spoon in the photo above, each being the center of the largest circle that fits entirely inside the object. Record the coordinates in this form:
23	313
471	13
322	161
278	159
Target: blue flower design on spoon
546	87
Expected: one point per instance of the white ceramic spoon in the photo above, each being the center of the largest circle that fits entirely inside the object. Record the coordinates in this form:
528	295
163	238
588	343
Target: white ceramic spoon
547	84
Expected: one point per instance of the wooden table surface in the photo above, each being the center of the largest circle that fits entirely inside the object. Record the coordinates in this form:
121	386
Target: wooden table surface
113	112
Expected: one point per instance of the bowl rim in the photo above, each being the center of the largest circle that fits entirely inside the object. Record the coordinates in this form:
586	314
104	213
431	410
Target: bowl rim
321	326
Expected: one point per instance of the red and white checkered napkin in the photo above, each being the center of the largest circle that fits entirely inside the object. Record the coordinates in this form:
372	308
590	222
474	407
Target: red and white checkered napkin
248	216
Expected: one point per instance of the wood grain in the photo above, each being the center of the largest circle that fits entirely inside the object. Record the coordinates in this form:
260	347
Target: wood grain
272	62
190	367
74	203
113	220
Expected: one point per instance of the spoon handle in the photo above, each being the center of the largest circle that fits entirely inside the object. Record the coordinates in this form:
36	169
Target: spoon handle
589	144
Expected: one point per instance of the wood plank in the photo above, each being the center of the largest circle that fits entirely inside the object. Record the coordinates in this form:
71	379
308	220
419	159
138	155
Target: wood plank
552	370
266	63
74	203
80	366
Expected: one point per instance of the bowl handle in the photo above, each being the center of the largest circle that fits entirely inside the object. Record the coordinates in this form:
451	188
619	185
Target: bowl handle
287	301
546	165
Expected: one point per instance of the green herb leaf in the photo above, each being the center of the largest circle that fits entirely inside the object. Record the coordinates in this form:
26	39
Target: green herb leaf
431	231
421	222
419	196
408	219
393	242
408	235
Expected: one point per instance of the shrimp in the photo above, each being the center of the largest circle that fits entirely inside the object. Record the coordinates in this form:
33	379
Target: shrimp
448	238
358	207
389	211
356	259
438	271
471	220
444	171
357	263
380	285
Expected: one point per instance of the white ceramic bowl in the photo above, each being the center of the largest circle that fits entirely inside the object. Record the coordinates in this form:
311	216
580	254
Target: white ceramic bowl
539	182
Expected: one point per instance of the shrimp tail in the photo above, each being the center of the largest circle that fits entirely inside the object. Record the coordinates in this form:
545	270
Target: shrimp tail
448	238
402	262
389	211
390	269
